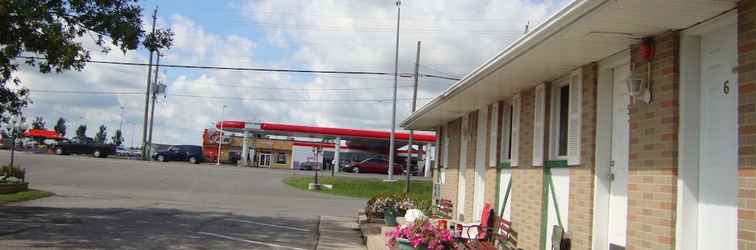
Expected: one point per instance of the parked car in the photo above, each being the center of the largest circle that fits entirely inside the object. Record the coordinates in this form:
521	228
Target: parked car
309	165
190	153
372	165
84	145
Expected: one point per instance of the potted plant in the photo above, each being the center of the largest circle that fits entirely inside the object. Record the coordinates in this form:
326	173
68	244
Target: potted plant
12	179
421	234
389	216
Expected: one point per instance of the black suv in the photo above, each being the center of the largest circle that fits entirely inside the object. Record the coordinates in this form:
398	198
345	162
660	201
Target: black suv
190	153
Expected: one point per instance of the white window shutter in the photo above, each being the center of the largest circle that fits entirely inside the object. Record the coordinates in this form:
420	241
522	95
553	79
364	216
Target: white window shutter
494	128
506	122
515	160
539	113
575	117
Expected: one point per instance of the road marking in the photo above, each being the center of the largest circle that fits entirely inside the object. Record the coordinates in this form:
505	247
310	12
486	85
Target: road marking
270	225
249	241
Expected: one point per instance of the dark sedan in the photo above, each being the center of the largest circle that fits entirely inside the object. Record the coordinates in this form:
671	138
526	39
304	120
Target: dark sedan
190	153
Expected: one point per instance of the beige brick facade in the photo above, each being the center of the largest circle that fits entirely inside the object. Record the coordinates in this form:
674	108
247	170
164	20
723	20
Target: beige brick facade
580	219
653	153
527	181
747	124
653	150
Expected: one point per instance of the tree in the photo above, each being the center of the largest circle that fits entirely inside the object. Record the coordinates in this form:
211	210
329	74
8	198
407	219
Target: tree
117	138
60	127
38	123
81	131
51	31
102	135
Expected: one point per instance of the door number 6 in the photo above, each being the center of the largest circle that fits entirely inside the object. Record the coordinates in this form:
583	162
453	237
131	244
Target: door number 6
726	87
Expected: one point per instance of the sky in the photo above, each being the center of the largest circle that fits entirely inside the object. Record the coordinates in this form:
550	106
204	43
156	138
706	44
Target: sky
457	36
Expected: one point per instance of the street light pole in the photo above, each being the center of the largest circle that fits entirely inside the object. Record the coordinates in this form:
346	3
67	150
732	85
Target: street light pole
412	132
220	139
396	85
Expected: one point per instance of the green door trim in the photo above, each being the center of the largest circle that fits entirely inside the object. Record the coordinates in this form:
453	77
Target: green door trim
548	187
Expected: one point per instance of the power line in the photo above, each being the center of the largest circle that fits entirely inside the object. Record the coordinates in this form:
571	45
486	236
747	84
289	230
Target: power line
253	69
288	100
85	92
184	95
300	89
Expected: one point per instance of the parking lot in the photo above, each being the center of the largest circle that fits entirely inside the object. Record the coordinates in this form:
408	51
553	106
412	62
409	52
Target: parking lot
117	203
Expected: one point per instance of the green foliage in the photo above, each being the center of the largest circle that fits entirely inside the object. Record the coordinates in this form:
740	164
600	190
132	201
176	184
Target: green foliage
117	138
363	187
399	202
16	172
60	127
81	131
30	194
102	135
38	123
53	29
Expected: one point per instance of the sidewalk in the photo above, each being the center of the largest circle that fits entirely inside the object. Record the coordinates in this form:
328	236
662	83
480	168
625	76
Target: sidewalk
339	233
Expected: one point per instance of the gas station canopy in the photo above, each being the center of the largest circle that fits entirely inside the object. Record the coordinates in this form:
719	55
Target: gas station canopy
320	132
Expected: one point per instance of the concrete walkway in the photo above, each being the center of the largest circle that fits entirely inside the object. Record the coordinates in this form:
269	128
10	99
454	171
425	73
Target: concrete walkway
339	233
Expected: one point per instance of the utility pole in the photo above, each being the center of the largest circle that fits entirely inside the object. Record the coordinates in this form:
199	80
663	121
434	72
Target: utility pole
120	125
155	91
145	153
412	132
396	85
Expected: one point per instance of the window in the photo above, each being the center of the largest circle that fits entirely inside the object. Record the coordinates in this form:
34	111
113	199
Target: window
281	158
560	120
510	131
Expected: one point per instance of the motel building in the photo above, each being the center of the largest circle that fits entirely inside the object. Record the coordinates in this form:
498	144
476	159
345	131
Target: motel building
289	146
628	124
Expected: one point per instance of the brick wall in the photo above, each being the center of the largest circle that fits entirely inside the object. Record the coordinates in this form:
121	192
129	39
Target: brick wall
527	182
747	124
580	219
653	150
449	189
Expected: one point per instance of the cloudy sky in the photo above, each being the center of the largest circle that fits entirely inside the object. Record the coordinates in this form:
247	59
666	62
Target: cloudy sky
456	36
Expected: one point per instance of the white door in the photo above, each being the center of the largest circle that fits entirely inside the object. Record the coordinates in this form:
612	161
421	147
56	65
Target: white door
464	139
619	159
480	165
264	160
505	210
718	169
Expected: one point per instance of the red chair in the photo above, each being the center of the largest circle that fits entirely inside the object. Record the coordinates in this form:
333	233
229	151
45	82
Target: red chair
481	231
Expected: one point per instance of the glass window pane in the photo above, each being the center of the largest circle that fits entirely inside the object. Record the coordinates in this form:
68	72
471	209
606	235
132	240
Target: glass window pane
564	102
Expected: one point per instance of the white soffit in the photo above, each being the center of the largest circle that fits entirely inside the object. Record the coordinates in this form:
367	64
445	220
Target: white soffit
583	32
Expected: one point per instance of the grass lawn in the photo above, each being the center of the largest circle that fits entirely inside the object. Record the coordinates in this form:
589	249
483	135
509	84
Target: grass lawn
363	187
30	194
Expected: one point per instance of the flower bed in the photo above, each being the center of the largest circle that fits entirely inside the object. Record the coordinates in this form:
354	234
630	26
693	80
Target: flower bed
399	202
421	234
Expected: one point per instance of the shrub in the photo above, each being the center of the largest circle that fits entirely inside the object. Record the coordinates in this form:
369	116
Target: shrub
12	171
400	202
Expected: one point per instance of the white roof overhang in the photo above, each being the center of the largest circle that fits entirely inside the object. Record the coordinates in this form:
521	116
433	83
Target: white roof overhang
583	32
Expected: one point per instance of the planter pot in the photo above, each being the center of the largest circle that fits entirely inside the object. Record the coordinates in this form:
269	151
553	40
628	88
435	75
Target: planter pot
9	188
389	217
404	244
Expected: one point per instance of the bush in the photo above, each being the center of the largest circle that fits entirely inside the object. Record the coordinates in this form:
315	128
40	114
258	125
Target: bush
400	202
12	171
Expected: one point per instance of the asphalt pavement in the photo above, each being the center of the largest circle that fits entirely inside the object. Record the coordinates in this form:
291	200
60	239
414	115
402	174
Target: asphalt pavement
127	204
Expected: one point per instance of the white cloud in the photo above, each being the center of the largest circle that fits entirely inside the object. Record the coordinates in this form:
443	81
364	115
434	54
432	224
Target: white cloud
334	35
